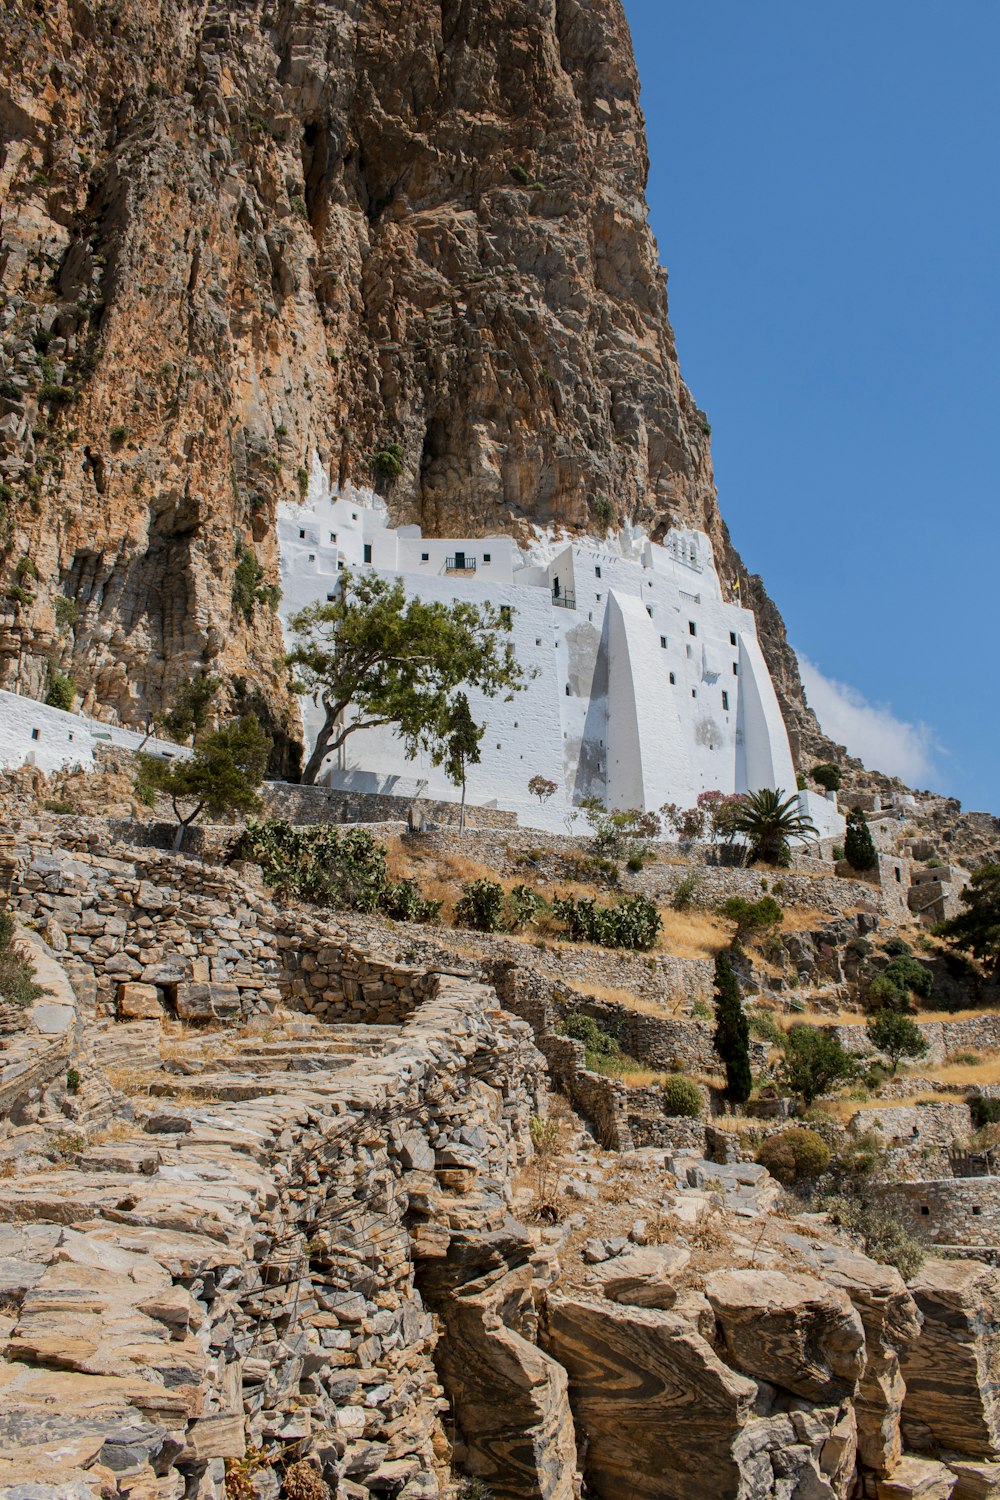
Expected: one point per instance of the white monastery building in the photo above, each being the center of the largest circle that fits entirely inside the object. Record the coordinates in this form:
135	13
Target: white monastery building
644	685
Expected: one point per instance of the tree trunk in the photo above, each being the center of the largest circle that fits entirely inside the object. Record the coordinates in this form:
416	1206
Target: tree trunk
182	829
461	812
320	751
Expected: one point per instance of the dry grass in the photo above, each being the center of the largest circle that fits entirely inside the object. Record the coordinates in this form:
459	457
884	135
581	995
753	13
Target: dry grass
673	1005
129	1080
986	1071
116	1130
693	933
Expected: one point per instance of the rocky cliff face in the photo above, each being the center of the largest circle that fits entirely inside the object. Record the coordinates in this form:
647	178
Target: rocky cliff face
234	236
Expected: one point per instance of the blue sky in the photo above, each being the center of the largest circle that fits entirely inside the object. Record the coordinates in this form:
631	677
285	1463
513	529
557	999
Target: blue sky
823	188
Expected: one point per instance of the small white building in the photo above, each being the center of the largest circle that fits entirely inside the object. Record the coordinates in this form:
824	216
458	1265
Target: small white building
33	734
644	686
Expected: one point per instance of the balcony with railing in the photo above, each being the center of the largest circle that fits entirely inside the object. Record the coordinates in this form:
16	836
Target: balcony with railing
565	599
460	563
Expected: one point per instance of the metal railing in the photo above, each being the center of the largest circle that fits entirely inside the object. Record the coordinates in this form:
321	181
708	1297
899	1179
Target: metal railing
462	565
564	601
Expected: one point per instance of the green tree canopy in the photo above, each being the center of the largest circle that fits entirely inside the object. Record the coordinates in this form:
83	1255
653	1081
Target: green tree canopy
769	819
395	660
814	1061
895	1035
732	1031
221	777
976	930
859	846
189	709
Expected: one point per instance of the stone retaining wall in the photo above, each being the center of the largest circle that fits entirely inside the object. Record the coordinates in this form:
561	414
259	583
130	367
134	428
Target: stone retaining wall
318	804
949	1210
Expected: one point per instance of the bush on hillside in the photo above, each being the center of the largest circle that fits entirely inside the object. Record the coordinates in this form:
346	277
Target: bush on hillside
682	1097
753	918
600	1045
485	906
795	1155
633	922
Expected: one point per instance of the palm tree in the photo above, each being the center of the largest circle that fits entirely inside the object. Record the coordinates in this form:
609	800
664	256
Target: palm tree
769	822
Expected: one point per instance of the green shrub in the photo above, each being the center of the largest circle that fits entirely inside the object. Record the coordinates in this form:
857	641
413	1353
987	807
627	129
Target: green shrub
330	868
60	689
828	776
249	589
604	513
896	947
302	480
523	906
601	1046
298	205
859	847
402	901
814	1061
520	174
795	1155
388	461
65	612
118	433
633	922
25	569
17	974
73	1081
984	1111
882	1234
752	918
764	1027
684	892
896	1035
634	863
902	977
56	805
682	1097
481	906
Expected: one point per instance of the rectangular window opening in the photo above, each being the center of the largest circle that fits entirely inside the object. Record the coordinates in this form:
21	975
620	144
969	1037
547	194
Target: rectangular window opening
732	637
487	557
36	734
725	700
597	572
302	536
368	552
692	628
736	670
663	642
425	557
673	679
649	610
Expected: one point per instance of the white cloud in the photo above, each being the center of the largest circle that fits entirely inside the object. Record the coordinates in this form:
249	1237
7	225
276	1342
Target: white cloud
870	731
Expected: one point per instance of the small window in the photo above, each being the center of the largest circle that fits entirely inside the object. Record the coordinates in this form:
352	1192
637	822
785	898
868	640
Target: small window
302	536
976	1208
899	875
673	679
649	610
597	572
694	692
736	669
690	653
333	536
692	628
340	567
567	690
330	598
725	700
368	552
538	640
663	642
599	598
499	747
487	557
312	557
924	1209
36	734
354	515
425	557
732	637
70	738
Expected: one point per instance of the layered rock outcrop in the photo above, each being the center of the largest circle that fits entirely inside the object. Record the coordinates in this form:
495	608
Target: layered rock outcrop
235	236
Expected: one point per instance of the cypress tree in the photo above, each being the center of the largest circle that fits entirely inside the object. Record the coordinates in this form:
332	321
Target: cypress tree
732	1031
859	847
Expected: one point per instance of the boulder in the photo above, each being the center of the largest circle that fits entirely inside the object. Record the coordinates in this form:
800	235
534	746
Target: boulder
139	1002
207	1002
917	1479
891	1323
643	1277
951	1369
794	1331
659	1410
976	1481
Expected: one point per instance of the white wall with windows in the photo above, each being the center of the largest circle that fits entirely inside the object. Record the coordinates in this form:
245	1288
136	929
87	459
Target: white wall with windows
646	685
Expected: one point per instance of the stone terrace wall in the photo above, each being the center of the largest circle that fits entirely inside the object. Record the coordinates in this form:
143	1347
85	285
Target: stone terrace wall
949	1210
972	1034
290	1298
318	804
